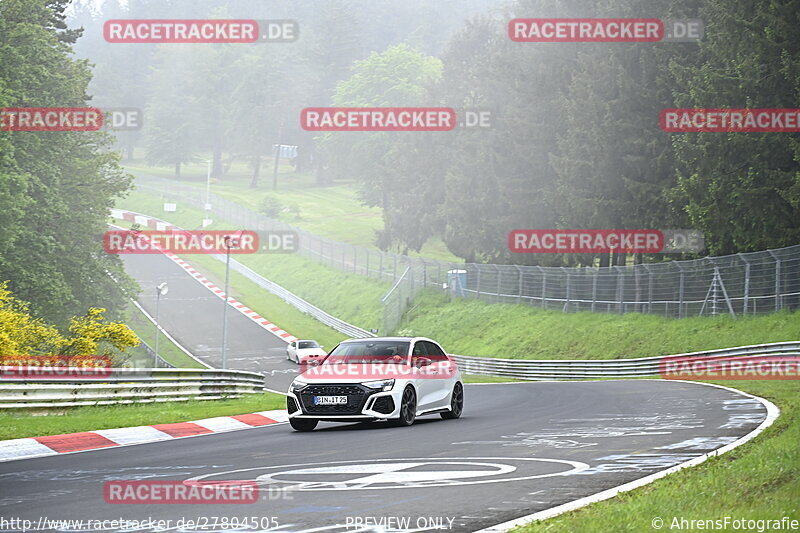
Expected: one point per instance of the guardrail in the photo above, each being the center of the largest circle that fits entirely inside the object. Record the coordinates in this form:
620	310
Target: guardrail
297	302
528	369
130	385
125	386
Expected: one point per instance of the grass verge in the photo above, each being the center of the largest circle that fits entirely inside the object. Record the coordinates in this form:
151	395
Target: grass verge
166	349
759	480
474	327
332	211
20	424
350	297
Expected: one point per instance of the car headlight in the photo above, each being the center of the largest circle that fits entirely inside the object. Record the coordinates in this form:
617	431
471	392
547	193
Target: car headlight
381	385
297	386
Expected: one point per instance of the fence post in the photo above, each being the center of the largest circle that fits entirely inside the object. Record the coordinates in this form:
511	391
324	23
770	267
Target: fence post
544	285
519	288
478	281
594	287
620	290
681	285
566	301
746	298
777	280
499	278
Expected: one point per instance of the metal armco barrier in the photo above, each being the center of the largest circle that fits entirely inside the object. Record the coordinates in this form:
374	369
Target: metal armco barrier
124	386
130	385
608	368
297	302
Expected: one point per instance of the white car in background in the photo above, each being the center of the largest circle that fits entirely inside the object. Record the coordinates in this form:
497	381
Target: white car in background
299	350
381	378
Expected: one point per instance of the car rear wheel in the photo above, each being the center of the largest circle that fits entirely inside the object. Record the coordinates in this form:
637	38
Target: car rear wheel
456	403
303	424
408	407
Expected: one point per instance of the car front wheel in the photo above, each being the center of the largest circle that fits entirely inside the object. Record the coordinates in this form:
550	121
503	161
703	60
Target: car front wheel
456	403
408	407
303	424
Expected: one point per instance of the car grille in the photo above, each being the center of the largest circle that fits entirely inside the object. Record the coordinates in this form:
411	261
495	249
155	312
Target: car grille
356	397
384	405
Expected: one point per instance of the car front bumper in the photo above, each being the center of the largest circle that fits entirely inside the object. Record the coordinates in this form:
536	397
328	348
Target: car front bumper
363	403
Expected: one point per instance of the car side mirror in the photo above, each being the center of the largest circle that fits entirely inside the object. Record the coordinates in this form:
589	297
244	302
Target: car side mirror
423	361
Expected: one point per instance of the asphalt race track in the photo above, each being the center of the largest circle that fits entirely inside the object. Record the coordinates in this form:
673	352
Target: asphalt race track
518	449
193	315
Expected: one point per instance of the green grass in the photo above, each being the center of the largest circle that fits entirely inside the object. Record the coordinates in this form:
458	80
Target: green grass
474	327
333	211
758	480
166	349
20	424
267	304
350	297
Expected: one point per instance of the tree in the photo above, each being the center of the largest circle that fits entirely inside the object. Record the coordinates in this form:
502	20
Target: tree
384	164
56	188
741	189
170	130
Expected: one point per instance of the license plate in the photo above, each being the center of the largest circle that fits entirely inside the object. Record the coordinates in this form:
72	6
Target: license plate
330	400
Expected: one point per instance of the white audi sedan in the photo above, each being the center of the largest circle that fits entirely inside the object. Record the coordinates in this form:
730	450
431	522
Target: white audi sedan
382	378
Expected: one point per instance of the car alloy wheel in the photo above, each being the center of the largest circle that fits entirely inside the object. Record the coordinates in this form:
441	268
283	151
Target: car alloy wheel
408	407
456	403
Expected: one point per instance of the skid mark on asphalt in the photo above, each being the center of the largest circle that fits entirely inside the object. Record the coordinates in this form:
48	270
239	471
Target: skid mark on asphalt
638	463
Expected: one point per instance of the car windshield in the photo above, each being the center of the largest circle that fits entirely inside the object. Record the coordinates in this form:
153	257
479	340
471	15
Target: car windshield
367	352
307	344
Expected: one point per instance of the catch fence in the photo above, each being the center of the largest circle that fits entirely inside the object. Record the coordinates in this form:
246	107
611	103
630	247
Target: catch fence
740	284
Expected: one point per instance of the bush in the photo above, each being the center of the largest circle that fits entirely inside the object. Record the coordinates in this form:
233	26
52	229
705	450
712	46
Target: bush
270	206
